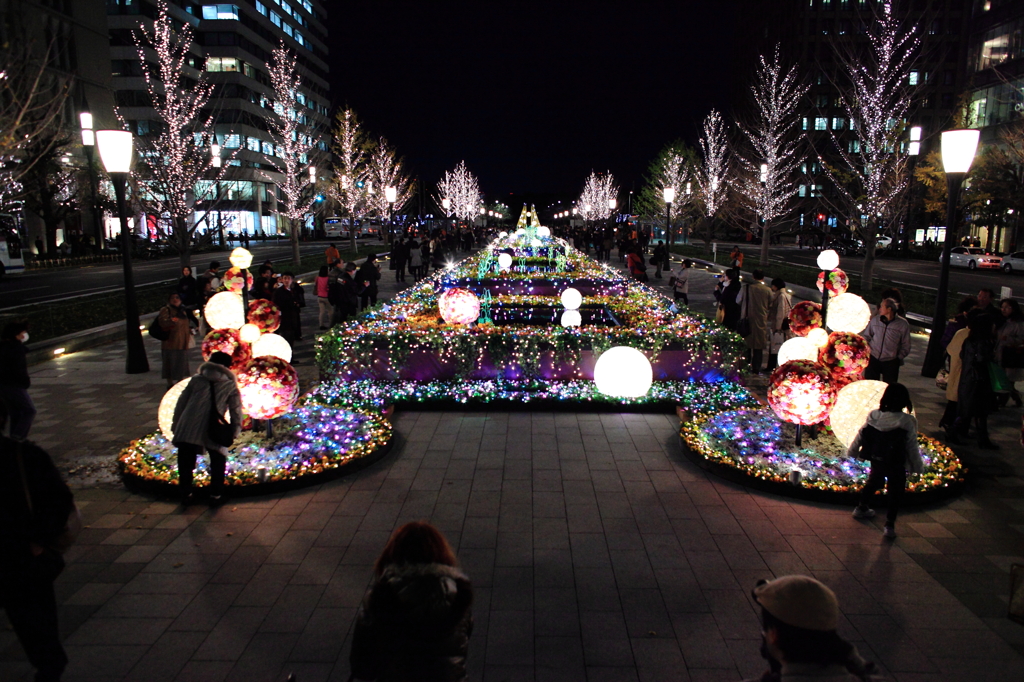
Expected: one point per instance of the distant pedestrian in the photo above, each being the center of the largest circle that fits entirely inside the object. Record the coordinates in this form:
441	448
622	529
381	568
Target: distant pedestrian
415	260
399	255
14	379
332	254
416	620
368	274
755	300
636	265
736	258
40	249
286	298
175	321
778	320
680	283
727	298
1010	347
323	298
888	336
660	258
976	398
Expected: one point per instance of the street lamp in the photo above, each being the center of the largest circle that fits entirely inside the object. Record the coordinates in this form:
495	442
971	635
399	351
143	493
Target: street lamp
958	150
88	144
669	195
913	151
115	147
391	194
828	260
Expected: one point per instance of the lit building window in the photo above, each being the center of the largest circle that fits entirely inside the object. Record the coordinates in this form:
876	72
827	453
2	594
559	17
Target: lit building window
275	18
261	8
838	123
232	141
220	12
914	78
222	64
821	123
252	144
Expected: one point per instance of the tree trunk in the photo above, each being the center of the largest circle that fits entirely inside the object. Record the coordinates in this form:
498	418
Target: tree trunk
296	255
765	234
184	240
352	233
867	274
710	223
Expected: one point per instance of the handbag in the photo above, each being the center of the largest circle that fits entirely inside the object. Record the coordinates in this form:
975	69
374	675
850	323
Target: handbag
158	332
997	375
720	315
73	524
653	260
220	432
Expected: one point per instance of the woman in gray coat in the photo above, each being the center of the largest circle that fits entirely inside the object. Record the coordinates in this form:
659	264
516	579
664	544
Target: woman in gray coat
191	424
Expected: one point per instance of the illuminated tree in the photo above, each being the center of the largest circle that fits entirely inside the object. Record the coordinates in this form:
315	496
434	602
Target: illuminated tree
598	191
295	139
351	148
712	173
769	180
462	190
51	189
673	168
387	170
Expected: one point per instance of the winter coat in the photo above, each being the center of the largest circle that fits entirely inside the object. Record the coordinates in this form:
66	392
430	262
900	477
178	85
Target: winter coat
975	397
414	624
888	340
905	452
778	313
415	255
287	301
1010	336
755	299
727	299
176	322
322	287
192	412
952	327
14	364
681	282
368	272
188	289
955	365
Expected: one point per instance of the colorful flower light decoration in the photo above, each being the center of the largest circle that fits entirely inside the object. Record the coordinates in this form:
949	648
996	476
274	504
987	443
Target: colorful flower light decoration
853	404
801	392
272	345
459	306
233	280
227	341
846	355
838	282
225	311
572	299
269	387
804	317
848	313
798	348
623	372
264	315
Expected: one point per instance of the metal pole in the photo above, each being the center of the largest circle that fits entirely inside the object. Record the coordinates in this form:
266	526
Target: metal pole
136	361
668	224
94	188
934	359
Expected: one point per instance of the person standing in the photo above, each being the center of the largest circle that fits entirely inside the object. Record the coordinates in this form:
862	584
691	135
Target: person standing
212	391
986	308
415	259
332	255
416	619
889	441
287	301
736	258
888	335
176	323
755	300
14	379
263	286
660	257
213	275
323	293
399	254
368	274
1010	346
680	283
778	321
959	320
975	397
188	289
727	299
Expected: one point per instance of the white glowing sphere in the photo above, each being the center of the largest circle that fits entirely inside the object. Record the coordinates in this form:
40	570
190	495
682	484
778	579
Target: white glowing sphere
848	313
502	235
536	243
504	261
225	311
240	258
274	345
543	231
828	260
520	232
249	333
798	348
623	372
572	299
571	318
853	404
818	336
165	414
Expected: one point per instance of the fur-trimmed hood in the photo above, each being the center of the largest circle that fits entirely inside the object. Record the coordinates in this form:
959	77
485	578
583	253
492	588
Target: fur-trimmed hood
888	421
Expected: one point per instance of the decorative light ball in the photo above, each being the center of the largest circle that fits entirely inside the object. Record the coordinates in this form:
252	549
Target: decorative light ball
269	387
853	404
233	280
520	232
272	345
240	258
459	306
543	231
846	354
572	299
225	311
819	336
828	260
249	333
227	341
804	317
571	318
502	235
838	282
801	392
265	315
848	313
165	414
504	261
536	243
798	348
623	372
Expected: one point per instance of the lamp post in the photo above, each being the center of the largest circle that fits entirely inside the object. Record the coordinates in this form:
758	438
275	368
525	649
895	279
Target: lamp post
669	195
216	162
391	194
958	150
828	260
88	144
115	147
686	224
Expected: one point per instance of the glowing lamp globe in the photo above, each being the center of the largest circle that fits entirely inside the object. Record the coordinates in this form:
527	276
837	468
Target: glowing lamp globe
249	333
543	231
227	341
502	234
818	336
240	258
623	372
798	348
846	354
269	387
571	318
838	282
225	311
536	243
853	404
165	414
504	261
801	392
572	299
459	306
828	260
848	313
265	315
272	345
804	317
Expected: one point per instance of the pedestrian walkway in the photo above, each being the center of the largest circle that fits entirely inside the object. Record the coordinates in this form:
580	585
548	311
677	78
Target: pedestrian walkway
597	550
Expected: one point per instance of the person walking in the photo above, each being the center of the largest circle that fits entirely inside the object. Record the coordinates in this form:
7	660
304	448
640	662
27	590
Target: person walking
286	298
778	321
323	293
415	259
888	336
368	274
889	441
976	398
755	300
211	393
175	321
1010	347
35	505
332	254
14	379
416	620
680	283
660	258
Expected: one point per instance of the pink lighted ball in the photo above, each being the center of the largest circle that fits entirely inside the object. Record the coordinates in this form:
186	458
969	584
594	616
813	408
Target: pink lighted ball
459	306
802	392
269	387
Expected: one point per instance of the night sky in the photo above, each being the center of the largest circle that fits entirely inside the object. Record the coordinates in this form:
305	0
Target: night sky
533	95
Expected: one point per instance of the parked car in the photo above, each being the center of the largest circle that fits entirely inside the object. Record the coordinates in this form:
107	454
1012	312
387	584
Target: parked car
1012	261
883	242
972	258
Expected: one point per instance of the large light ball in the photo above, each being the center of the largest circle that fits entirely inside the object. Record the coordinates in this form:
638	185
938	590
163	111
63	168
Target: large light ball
536	243
240	258
502	235
459	306
165	415
803	317
853	404
504	261
264	315
249	333
818	336
272	345
846	354
225	311
543	231
269	387
623	372
571	318
838	282
801	392
848	313
798	348
572	299
227	341
828	260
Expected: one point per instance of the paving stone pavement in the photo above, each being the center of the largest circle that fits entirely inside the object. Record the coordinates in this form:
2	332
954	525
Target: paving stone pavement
597	550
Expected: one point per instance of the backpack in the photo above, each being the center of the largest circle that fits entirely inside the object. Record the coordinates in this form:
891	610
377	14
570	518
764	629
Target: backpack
158	332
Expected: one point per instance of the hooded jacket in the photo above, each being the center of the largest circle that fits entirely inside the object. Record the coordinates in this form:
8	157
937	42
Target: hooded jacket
414	626
887	423
192	412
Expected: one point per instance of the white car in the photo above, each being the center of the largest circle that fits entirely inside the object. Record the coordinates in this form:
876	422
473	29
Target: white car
972	258
883	242
1013	262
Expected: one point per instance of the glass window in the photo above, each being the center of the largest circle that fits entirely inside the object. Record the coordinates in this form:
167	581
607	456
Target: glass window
286	7
261	8
287	28
232	141
838	123
267	148
821	123
222	64
914	78
275	18
220	12
252	144
805	125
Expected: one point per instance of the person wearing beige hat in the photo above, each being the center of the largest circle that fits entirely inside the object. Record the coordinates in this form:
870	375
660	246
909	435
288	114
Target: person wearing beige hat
799	617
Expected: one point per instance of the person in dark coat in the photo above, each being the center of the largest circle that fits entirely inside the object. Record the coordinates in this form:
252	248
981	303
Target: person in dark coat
14	379
29	527
263	287
727	299
975	397
959	320
368	274
399	255
188	289
416	620
286	298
